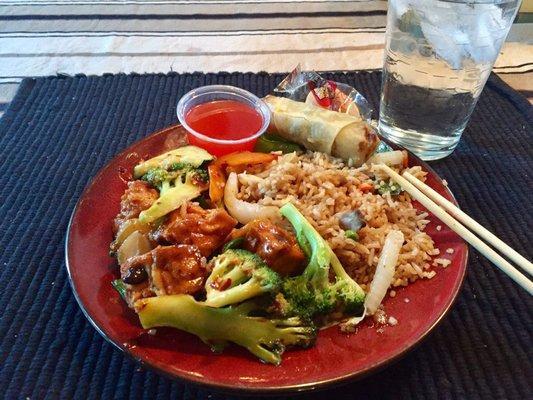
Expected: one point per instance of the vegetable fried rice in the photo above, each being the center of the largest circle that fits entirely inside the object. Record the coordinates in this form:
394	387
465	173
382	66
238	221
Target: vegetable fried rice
324	188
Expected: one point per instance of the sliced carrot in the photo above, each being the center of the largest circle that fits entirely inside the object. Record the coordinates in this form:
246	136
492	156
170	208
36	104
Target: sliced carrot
246	158
405	158
217	180
366	187
234	162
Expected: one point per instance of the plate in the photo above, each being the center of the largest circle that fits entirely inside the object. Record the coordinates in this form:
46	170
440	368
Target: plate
337	357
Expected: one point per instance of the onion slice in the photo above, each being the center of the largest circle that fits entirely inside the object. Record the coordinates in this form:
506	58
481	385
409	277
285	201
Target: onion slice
135	244
384	271
128	227
390	158
243	211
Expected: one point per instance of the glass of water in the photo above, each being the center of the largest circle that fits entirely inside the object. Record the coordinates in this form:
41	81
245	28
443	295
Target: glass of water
438	56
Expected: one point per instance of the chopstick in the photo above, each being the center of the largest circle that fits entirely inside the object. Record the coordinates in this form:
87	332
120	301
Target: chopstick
462	231
461	216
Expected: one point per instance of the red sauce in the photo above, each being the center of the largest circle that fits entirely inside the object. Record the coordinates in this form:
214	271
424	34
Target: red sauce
226	120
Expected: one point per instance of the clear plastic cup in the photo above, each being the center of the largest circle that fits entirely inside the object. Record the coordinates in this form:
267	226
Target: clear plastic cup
206	94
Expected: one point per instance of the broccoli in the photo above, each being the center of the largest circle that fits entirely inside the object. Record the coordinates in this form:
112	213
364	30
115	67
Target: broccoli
200	176
177	181
199	173
179	165
157	176
233	243
300	297
216	327
173	192
239	275
311	294
172	160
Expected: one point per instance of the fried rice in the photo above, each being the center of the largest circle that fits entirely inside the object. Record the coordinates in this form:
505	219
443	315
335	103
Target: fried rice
323	188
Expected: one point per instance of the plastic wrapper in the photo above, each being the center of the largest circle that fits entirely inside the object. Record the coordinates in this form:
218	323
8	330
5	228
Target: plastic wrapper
310	87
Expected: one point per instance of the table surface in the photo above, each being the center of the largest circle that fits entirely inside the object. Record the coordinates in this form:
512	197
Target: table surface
94	37
58	132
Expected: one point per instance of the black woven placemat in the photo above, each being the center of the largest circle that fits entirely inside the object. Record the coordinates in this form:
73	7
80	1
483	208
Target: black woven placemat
58	132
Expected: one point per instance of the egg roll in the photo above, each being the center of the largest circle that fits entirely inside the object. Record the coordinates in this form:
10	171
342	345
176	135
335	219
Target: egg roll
318	129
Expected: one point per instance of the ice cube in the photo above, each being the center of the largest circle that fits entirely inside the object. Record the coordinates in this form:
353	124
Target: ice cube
457	31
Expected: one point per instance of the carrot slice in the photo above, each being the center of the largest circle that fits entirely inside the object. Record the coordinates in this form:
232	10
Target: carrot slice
405	159
246	158
366	187
217	180
234	162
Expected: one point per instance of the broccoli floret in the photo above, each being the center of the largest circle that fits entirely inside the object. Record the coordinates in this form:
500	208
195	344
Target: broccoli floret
179	165
304	299
174	160
156	177
199	176
216	327
179	177
352	299
174	190
176	184
238	275
311	293
233	243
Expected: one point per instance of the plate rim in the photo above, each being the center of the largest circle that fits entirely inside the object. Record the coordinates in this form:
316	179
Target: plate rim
262	390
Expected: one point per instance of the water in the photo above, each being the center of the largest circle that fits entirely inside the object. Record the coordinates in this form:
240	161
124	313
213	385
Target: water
429	122
438	57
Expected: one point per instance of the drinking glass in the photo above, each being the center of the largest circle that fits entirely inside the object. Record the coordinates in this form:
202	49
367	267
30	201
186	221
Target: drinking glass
438	56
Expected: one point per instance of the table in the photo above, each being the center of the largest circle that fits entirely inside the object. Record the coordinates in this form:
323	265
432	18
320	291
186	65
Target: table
59	131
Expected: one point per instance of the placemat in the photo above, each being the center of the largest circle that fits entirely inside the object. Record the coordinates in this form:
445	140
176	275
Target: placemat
58	132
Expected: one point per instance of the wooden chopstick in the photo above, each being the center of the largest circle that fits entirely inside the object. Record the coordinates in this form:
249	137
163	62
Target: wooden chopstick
461	216
458	228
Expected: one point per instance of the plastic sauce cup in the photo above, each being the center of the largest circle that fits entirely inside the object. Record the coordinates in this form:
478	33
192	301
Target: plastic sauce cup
220	146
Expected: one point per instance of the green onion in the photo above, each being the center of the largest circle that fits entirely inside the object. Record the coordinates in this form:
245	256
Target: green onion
388	187
120	287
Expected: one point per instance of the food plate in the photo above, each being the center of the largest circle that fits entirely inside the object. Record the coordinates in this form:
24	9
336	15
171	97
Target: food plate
337	357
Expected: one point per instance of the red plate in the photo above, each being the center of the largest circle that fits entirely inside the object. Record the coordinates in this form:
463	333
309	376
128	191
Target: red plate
336	357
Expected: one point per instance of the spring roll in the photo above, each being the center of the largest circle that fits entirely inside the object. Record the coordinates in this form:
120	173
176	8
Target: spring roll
340	135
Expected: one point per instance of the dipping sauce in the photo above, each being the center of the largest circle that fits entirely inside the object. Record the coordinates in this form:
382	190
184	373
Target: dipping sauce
224	120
